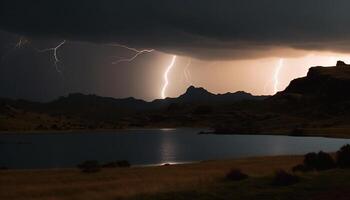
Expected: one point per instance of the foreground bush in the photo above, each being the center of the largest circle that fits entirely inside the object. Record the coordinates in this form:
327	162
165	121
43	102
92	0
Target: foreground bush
319	161
89	166
283	178
343	157
236	175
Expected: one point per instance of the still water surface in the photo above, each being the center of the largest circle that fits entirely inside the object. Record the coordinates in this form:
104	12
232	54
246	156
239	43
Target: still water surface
147	147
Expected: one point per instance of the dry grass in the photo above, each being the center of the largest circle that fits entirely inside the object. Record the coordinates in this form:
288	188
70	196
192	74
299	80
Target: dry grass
113	183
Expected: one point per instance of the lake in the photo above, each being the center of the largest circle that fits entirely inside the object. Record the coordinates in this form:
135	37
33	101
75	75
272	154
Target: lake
147	147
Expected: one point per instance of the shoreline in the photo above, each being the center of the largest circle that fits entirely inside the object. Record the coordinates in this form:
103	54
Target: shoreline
282	134
73	131
310	132
172	164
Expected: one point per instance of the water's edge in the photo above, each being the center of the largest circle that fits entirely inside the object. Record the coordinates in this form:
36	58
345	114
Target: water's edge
148	147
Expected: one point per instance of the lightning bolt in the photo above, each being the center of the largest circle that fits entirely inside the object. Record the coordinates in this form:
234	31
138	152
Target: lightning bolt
276	75
166	81
132	58
21	42
187	74
55	56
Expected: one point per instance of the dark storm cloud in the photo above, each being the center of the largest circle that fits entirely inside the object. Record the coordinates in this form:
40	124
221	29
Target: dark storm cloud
205	29
30	74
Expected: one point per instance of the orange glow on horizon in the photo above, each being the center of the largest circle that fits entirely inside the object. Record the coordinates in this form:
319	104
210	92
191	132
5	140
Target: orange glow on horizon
256	76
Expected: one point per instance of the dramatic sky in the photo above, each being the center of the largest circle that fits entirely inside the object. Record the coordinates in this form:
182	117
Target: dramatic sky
223	45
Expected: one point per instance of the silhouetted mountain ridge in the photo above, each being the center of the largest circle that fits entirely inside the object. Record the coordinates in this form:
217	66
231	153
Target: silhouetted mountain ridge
201	95
309	105
96	109
321	84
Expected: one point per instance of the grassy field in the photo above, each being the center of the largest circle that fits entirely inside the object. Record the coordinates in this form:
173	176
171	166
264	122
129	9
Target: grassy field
327	185
191	181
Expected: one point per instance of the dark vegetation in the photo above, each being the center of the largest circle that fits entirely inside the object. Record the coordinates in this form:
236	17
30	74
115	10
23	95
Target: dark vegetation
120	163
343	157
330	182
280	178
319	161
283	178
202	181
324	186
92	166
312	161
89	166
324	161
236	175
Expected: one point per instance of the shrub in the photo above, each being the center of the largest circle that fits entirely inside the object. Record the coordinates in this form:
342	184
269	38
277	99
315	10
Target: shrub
120	163
283	178
343	157
326	161
89	166
123	163
236	175
110	165
320	161
310	159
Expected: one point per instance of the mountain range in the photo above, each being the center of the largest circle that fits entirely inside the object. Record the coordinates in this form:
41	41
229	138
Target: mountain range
317	104
92	111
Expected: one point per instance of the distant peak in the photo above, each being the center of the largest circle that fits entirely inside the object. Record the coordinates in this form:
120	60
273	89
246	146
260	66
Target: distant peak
196	93
342	64
243	93
193	89
74	95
